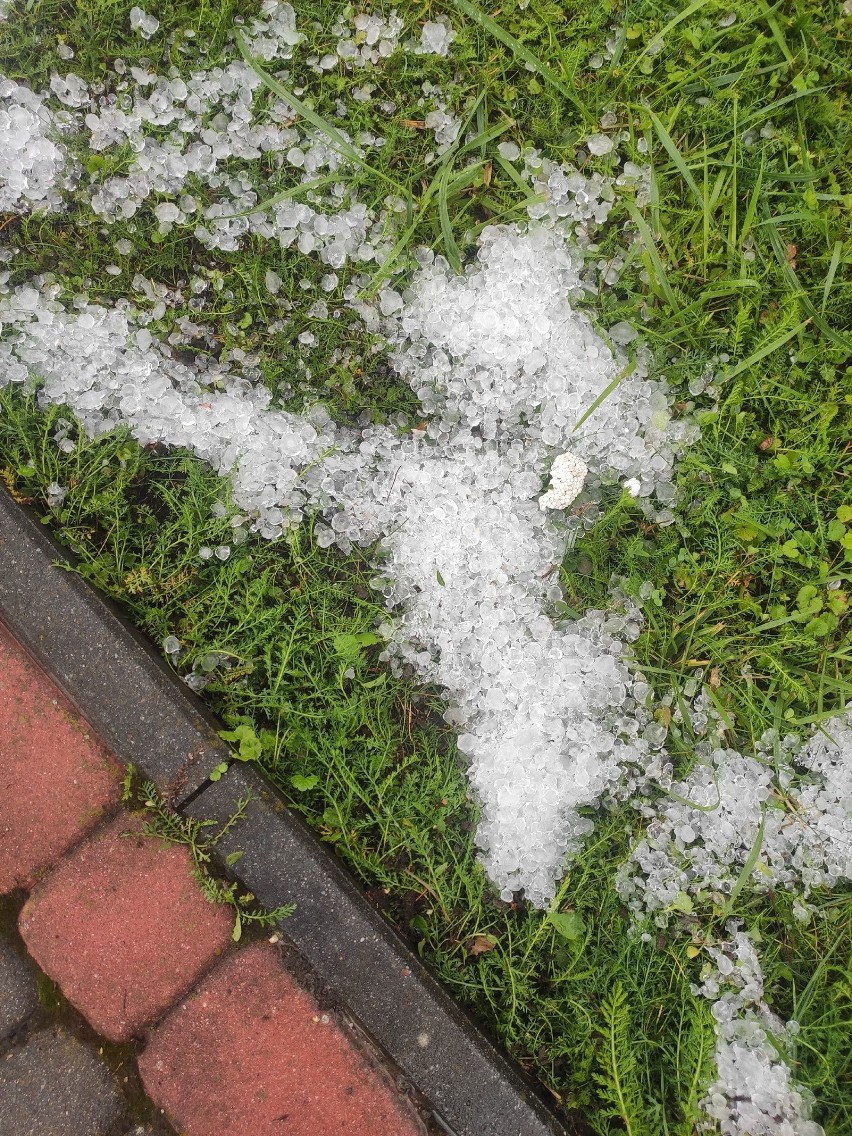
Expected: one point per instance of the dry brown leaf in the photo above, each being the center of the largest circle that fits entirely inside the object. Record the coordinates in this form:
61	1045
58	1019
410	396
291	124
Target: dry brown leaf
480	944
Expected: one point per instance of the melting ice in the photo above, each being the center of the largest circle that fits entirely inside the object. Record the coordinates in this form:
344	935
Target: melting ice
467	561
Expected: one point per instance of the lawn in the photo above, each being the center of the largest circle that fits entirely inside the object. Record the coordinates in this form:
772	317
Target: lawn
731	258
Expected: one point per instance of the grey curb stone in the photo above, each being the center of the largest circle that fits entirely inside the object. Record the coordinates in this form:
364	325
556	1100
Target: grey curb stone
56	1086
474	1090
146	716
108	671
18	993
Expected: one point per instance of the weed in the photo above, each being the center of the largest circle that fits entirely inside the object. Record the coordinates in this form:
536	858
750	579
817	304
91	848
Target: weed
201	840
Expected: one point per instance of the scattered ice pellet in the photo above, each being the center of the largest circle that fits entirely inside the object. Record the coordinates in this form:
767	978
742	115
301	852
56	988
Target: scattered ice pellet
792	807
754	1093
389	302
622	333
222	552
71	91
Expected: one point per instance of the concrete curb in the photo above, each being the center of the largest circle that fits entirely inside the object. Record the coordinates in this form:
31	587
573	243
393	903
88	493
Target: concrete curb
147	717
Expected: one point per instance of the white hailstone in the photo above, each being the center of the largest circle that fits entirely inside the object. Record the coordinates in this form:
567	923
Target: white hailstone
171	645
389	301
56	494
445	124
436	37
599	144
31	162
567	478
511	151
71	91
167	213
141	22
633	486
369	39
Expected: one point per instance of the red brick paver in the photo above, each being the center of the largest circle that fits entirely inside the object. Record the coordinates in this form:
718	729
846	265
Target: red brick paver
123	927
250	1054
56	779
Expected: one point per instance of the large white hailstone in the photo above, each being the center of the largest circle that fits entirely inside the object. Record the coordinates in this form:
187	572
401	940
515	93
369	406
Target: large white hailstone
567	477
142	22
436	37
754	1093
31	162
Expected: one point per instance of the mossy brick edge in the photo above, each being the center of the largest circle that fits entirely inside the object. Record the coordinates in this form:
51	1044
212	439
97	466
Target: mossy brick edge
147	717
111	674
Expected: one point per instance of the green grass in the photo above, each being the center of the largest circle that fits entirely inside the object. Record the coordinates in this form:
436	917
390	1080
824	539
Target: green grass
743	252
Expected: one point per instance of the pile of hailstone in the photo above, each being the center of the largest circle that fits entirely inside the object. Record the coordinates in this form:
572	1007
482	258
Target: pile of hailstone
188	136
31	160
796	810
754	1093
467	560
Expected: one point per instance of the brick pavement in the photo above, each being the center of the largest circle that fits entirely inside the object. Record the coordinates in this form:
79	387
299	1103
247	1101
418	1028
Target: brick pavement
118	921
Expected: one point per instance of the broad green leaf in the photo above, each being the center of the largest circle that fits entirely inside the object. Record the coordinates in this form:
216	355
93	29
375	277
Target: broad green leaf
302	783
569	924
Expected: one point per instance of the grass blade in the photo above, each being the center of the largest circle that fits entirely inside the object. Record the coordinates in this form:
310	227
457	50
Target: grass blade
451	248
767	349
832	272
341	144
605	393
651	248
748	220
748	867
676	157
690	10
511	173
524	53
780	249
